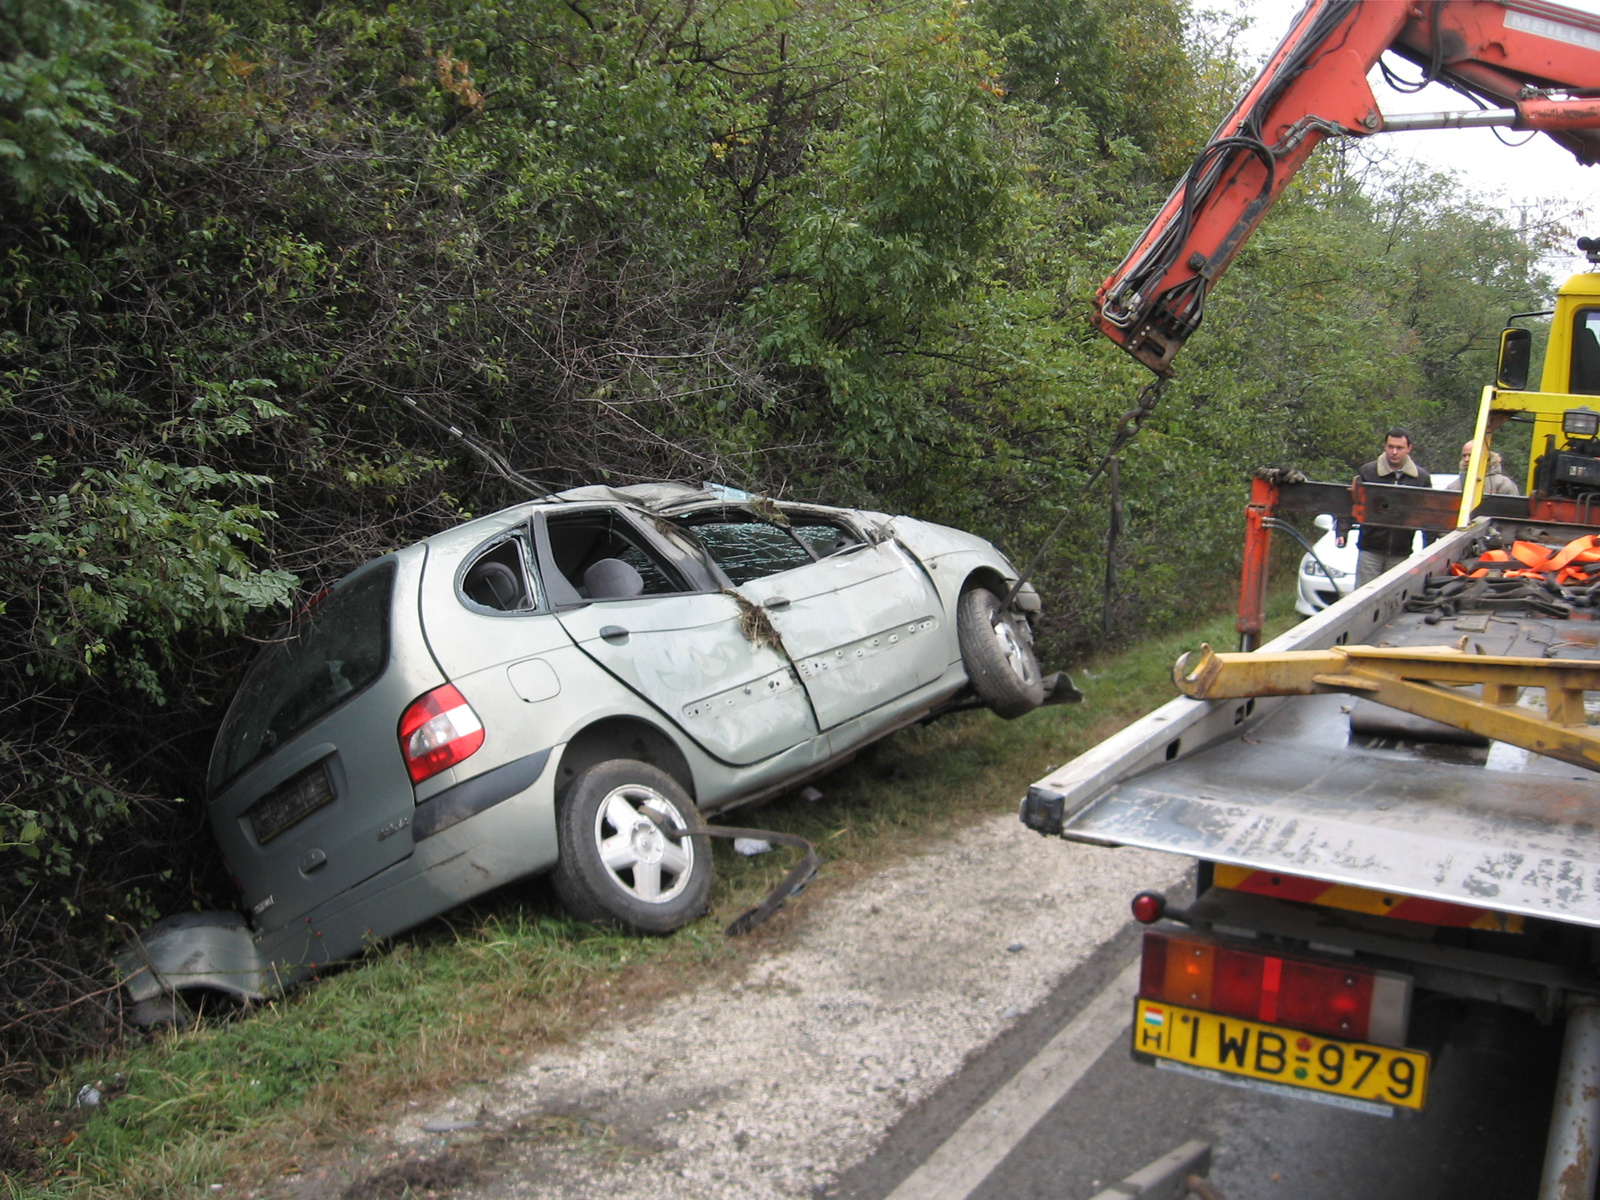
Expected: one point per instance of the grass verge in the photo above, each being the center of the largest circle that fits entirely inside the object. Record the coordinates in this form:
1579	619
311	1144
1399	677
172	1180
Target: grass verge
249	1100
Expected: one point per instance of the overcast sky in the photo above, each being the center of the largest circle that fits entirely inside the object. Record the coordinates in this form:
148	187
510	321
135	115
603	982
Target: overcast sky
1516	175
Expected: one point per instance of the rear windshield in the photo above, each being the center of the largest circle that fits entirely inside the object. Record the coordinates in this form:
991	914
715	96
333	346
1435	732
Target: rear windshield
312	665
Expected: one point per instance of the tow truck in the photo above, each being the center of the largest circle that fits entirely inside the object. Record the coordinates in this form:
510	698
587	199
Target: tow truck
1397	800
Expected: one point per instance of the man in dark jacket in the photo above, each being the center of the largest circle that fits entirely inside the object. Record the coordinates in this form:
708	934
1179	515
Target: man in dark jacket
1383	546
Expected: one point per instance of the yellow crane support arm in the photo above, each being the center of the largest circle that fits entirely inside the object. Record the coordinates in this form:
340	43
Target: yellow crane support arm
1429	681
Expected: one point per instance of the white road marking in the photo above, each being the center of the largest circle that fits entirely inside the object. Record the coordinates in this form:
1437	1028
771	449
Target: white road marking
955	1169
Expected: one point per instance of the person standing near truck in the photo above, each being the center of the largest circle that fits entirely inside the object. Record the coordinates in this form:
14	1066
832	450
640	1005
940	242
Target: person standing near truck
1384	546
1495	480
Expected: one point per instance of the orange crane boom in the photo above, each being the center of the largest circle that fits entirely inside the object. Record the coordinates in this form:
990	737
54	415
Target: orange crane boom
1527	64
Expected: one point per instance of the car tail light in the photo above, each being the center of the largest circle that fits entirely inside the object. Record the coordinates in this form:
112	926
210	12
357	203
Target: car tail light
1327	998
438	730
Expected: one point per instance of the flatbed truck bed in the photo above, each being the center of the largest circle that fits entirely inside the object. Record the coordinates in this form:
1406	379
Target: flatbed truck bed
1282	783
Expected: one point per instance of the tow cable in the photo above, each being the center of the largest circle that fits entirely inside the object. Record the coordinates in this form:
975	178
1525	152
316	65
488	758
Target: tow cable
792	884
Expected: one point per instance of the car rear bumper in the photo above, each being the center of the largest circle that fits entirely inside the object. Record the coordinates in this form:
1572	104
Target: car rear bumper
219	951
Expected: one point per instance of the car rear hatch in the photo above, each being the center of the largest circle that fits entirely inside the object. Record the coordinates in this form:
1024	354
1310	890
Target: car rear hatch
310	795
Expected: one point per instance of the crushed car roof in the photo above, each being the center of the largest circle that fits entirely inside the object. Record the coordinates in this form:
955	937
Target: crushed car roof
644	495
659	497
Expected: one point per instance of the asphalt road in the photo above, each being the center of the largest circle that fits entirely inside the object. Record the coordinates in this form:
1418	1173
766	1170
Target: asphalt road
1482	1134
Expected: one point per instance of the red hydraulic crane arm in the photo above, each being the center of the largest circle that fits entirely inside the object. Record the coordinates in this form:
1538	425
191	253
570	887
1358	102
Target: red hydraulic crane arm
1538	62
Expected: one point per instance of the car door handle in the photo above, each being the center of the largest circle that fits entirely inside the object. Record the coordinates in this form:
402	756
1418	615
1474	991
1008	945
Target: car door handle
613	633
775	603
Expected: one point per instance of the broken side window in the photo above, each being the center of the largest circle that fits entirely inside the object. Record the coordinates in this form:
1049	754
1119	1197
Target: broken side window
747	548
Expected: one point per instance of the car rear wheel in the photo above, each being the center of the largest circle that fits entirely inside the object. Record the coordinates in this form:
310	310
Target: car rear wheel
617	866
997	651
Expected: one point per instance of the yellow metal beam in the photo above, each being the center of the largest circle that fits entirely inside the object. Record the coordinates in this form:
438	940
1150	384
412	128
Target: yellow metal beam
1425	680
1478	467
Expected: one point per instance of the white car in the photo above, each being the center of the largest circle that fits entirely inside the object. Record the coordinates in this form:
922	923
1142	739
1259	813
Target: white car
562	687
1328	574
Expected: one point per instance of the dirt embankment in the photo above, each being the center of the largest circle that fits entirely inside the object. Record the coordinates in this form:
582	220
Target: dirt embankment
770	1086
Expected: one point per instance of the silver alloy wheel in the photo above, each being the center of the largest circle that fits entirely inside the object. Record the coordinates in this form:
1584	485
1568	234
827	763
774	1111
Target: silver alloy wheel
1020	662
640	859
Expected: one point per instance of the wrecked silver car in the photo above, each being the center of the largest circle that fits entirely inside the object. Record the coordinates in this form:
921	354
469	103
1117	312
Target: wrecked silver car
561	686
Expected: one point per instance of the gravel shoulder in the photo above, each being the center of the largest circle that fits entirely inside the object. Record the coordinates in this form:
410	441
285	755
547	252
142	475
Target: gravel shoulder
772	1085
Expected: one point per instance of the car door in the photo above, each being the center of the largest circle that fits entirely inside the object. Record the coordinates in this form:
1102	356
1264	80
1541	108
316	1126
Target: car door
859	618
679	644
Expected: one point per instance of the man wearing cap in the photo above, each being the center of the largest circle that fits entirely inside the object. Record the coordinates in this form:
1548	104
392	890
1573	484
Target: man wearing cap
1384	546
1495	480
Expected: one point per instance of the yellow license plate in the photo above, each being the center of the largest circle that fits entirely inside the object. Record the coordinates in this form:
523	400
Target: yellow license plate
1375	1073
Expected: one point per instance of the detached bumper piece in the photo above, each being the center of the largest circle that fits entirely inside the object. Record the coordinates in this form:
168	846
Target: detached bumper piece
214	950
1059	689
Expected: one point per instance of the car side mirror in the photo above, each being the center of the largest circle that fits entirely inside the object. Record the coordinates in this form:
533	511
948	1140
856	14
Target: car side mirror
1516	348
1323	521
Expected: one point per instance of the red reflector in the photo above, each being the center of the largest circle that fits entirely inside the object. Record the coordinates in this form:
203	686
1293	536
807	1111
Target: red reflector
1271	981
1148	907
438	730
1235	982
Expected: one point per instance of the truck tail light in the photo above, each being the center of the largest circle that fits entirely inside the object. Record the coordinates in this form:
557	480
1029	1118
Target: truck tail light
1328	998
438	730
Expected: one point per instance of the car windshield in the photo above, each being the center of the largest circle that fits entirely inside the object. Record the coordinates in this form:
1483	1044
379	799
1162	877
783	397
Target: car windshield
324	656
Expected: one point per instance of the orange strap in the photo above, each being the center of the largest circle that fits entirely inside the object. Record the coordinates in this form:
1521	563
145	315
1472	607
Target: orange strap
1540	561
1584	549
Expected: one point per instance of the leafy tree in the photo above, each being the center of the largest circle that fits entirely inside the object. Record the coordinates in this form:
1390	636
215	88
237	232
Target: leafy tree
60	66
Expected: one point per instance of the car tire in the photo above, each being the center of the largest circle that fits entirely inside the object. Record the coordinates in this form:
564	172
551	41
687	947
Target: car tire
998	655
616	867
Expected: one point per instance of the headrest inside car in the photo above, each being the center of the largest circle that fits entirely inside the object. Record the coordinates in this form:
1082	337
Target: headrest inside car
612	579
494	585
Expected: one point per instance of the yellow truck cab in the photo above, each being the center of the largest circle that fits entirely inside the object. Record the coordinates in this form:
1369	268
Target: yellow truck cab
1565	458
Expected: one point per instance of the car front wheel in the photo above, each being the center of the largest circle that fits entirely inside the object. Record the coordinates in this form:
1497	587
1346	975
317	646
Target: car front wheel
998	655
617	866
